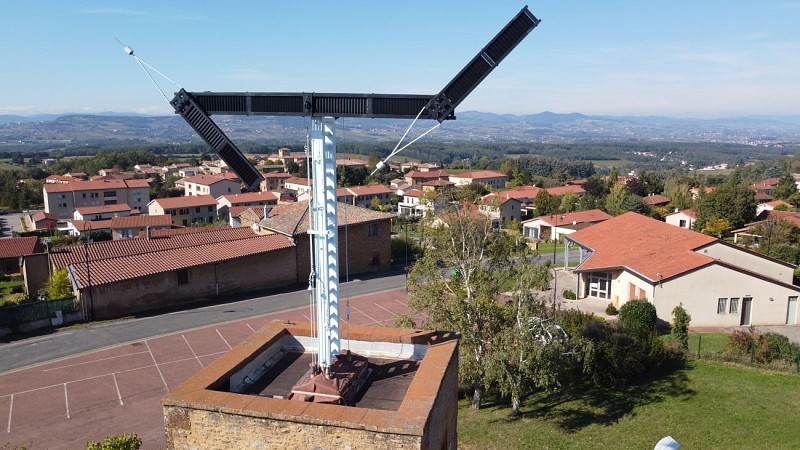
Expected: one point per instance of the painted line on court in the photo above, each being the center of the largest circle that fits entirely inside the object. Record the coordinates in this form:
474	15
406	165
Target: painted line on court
192	350
156	364
223	339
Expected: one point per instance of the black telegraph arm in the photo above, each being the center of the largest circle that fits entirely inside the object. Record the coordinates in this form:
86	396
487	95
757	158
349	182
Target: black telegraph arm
196	107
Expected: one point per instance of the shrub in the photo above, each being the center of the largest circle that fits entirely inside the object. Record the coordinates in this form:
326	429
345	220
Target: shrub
569	295
611	310
59	286
772	346
617	359
574	320
638	318
16	299
121	442
739	343
680	325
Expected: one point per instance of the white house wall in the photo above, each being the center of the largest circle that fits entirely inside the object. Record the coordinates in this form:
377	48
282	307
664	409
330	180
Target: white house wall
749	261
700	290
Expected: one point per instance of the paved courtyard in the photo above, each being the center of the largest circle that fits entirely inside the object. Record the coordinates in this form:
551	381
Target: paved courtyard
62	404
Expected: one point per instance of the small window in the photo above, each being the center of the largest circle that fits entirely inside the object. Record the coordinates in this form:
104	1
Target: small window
372	230
721	305
197	210
210	209
734	305
183	276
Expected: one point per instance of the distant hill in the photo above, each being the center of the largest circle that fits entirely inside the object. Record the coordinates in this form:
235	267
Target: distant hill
113	129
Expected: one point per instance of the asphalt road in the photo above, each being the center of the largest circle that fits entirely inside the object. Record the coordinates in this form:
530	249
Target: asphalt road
75	340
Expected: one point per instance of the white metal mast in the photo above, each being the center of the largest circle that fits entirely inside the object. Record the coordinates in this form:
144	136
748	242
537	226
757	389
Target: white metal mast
325	232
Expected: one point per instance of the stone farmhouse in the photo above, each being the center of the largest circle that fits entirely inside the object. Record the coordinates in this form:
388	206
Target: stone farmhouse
169	270
635	257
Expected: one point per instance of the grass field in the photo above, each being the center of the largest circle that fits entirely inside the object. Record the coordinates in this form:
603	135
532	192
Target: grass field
705	405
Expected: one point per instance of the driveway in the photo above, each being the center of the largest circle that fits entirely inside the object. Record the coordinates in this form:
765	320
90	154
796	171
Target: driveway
10	223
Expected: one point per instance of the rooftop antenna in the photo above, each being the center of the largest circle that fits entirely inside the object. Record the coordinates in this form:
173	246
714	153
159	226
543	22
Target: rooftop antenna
323	109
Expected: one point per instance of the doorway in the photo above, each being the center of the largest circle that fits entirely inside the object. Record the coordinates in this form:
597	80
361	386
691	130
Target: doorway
747	304
791	311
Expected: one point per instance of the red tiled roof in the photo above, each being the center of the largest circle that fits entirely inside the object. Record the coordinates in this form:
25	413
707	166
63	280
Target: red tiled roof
94	225
16	247
127	267
41	215
413	193
479	175
185	202
278	175
652	248
521	192
141	221
162	240
761	195
205	180
775	203
371	189
84	210
95	185
297	180
429	174
248	197
589	216
689	212
292	219
656	199
558	191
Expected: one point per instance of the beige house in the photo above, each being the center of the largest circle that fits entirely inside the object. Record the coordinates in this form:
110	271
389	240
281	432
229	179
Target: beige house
185	210
61	199
492	179
103	212
682	219
363	195
558	225
273	181
721	285
501	209
214	186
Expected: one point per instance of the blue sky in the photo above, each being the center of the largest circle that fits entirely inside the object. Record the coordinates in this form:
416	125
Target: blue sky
704	59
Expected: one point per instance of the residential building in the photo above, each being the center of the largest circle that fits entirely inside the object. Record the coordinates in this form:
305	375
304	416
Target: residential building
492	179
769	206
557	225
131	226
214	186
410	205
364	237
416	177
12	249
41	221
286	155
273	181
298	185
683	219
500	209
719	284
61	199
185	210
443	186
79	228
246	216
103	212
656	200
224	202
136	275
363	195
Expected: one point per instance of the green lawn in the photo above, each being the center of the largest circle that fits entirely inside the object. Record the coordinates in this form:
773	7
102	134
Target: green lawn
710	343
706	405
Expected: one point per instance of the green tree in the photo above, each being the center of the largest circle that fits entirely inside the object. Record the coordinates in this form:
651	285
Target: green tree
616	200
120	442
470	192
733	201
465	301
545	203
570	202
529	351
717	227
58	286
680	325
785	189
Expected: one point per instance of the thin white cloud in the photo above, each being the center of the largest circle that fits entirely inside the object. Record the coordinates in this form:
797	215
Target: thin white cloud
115	11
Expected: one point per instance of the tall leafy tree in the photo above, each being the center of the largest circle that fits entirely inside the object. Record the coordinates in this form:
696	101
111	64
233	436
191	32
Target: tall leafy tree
463	298
733	201
546	203
616	200
785	189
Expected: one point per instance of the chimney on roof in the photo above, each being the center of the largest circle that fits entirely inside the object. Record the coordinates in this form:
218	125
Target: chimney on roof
148	232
